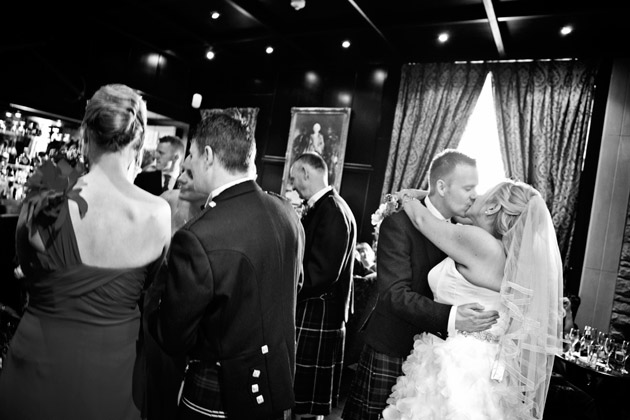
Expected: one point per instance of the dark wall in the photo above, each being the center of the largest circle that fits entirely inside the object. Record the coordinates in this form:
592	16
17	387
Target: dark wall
370	91
59	80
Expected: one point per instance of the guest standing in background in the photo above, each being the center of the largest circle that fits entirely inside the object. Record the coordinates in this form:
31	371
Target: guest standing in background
185	202
86	255
230	285
325	299
165	373
365	261
162	176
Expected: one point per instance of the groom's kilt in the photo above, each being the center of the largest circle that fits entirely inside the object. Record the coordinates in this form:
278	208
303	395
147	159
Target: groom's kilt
372	385
319	357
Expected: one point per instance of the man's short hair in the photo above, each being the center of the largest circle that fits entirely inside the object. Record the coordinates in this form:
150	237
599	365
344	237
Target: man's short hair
314	160
445	162
230	140
176	143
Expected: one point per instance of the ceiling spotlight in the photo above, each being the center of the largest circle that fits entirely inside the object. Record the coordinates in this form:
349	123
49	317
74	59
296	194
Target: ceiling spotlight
566	30
269	50
443	37
210	55
345	44
215	15
196	100
298	4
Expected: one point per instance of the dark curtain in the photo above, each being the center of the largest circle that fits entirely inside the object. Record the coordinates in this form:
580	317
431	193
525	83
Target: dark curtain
435	101
543	114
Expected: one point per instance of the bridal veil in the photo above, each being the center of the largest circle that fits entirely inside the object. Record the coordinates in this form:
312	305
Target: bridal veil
532	293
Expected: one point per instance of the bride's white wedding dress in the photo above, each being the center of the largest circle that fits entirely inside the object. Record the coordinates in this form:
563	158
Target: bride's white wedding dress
451	379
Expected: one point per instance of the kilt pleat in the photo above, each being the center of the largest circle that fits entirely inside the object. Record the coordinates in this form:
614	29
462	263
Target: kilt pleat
372	384
319	357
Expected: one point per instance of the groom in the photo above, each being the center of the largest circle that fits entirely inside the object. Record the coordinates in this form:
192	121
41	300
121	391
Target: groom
405	306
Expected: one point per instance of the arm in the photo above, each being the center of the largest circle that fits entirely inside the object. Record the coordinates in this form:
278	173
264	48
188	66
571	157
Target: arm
327	251
395	278
186	288
479	255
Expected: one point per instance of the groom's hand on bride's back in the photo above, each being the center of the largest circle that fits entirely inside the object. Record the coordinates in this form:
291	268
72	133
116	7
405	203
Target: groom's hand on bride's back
472	317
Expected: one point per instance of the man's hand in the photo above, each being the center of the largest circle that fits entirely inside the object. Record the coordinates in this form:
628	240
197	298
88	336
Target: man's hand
471	317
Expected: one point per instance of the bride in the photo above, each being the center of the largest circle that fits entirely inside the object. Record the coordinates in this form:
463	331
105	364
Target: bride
508	260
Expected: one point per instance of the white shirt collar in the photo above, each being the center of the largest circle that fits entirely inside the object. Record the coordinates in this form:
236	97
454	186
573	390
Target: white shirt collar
433	210
224	187
319	194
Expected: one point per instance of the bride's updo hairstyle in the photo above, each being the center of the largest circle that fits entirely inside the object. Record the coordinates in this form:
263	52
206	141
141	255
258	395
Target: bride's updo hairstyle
513	197
115	117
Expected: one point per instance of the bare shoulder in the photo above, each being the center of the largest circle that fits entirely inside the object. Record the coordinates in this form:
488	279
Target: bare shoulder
478	239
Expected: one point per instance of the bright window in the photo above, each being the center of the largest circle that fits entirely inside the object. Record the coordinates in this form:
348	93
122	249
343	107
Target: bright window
481	140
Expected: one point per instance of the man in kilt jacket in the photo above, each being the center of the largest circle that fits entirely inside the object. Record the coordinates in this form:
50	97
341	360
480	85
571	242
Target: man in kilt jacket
230	286
325	299
405	305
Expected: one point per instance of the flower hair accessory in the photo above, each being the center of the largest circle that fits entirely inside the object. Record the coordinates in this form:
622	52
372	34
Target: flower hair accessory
48	188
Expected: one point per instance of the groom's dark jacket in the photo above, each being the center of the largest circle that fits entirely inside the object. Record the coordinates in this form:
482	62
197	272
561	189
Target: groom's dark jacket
231	283
405	305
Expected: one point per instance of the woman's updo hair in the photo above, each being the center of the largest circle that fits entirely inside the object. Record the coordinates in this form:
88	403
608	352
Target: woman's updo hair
115	117
513	197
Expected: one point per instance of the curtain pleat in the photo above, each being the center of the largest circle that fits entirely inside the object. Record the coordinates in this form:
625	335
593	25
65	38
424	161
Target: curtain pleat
543	114
435	101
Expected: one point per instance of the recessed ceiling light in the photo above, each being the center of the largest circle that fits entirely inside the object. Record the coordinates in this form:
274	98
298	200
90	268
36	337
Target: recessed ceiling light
345	44
215	15
210	55
269	50
443	37
196	100
566	30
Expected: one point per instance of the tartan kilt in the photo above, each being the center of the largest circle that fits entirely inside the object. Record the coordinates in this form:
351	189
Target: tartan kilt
201	396
319	357
372	385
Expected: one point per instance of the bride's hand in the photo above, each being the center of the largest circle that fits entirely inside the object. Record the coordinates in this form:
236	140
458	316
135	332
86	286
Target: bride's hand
412	193
398	198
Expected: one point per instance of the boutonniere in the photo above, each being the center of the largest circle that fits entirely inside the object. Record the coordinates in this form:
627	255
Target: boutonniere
50	185
390	205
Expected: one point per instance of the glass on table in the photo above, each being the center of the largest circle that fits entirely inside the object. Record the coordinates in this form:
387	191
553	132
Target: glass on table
574	336
617	356
625	349
609	347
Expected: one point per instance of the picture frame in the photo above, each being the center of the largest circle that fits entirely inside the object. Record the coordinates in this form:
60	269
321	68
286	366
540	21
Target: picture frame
322	130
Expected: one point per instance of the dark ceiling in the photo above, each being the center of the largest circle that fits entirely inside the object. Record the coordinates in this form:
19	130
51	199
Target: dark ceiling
56	53
379	30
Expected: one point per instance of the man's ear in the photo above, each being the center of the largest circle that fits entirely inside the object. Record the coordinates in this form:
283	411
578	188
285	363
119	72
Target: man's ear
208	156
440	186
304	171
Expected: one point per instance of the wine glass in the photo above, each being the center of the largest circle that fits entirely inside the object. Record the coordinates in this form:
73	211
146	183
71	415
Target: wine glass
609	347
601	341
591	353
574	336
625	349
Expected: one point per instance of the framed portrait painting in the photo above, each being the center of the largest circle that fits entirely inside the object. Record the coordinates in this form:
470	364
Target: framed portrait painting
320	130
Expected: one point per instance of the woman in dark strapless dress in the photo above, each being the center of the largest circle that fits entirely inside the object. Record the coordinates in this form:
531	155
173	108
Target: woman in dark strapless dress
75	350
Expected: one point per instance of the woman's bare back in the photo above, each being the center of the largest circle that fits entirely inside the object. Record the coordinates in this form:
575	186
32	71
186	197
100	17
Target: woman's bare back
124	227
